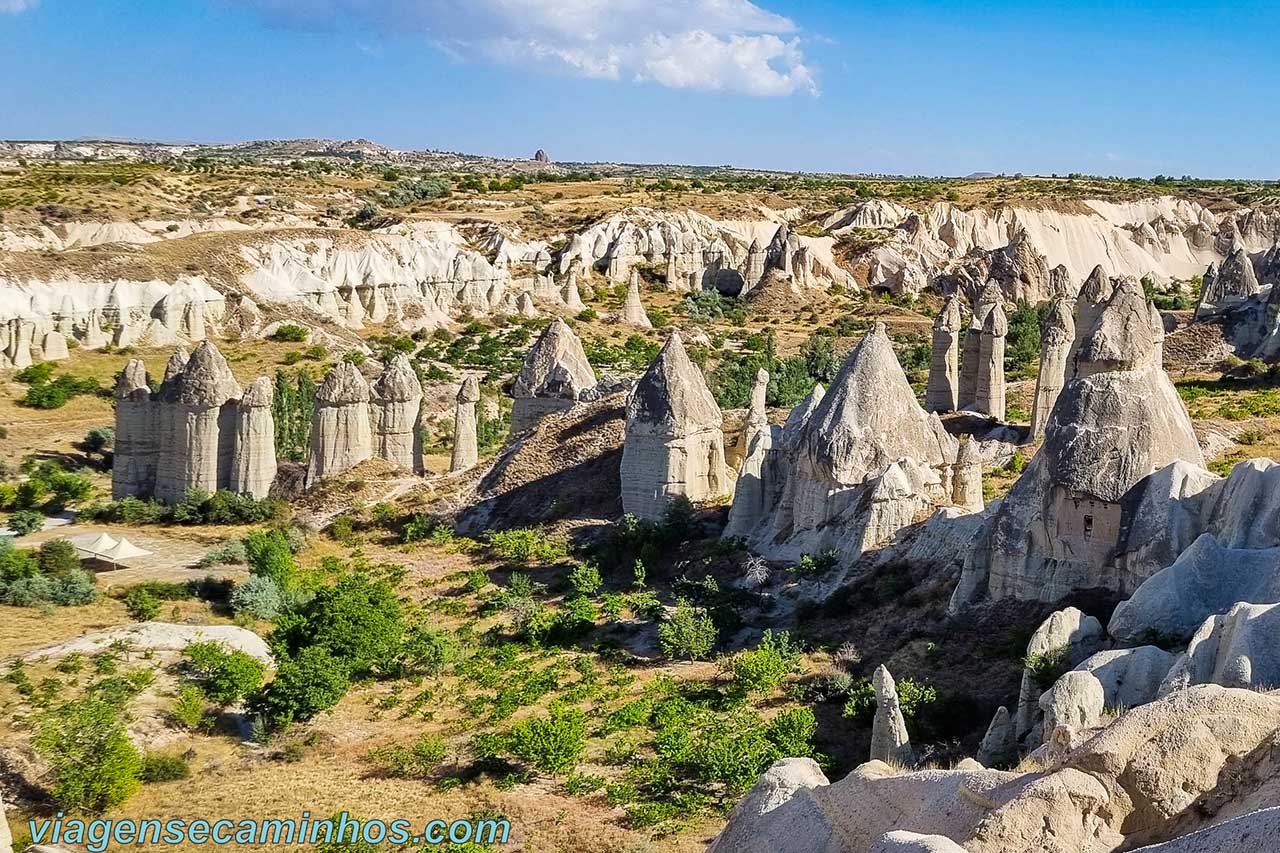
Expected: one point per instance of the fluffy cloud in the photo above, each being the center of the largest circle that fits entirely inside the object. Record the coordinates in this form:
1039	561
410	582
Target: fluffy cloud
729	46
16	6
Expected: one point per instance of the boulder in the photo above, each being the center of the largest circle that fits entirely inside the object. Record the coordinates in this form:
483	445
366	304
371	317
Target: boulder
1076	700
1207	578
912	842
1068	633
674	441
1234	649
1129	677
999	747
1249	833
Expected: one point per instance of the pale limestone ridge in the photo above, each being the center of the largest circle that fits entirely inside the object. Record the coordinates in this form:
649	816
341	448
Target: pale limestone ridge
341	437
396	396
465	443
674	441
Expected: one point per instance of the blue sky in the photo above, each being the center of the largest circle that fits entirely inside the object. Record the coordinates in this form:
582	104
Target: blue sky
908	87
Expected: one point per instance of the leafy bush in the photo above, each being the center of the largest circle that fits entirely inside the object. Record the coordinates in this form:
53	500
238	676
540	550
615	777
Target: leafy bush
585	579
526	545
224	675
304	685
552	744
93	764
24	583
230	553
426	650
188	711
54	395
358	620
141	604
762	669
689	634
811	566
58	557
257	596
290	333
163	767
1047	668
913	698
417	760
25	521
269	555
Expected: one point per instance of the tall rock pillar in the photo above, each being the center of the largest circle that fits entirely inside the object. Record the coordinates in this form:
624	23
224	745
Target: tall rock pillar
969	357
340	435
397	396
133	473
253	468
942	393
989	397
1056	337
889	739
633	313
466	452
674	444
198	452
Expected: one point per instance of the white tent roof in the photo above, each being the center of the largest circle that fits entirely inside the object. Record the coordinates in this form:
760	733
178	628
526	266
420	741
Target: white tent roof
101	545
123	550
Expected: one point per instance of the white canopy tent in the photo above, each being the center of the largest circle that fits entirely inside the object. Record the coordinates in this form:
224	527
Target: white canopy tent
110	550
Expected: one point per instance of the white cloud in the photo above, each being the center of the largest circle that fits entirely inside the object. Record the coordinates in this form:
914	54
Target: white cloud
731	46
16	6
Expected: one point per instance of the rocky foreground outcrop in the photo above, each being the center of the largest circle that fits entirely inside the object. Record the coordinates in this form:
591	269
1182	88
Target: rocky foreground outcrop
1131	776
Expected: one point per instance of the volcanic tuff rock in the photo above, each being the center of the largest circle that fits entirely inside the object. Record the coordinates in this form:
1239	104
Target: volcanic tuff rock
999	747
1068	632
1076	699
396	398
200	441
1229	284
941	395
1129	677
674	444
1056	336
341	437
1207	578
1147	766
633	313
554	374
465	444
971	345
843	451
1234	649
889	739
253	469
133	471
1117	420
1244	834
966	478
989	396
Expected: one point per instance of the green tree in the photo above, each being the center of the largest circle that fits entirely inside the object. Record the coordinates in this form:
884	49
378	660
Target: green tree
554	743
690	633
269	556
94	765
305	685
225	675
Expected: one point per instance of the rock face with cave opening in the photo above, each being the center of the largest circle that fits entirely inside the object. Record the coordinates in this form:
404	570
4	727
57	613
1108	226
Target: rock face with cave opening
554	375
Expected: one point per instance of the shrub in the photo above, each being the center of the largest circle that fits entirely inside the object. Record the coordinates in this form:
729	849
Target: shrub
810	566
258	596
188	710
25	521
269	555
99	440
229	553
58	557
792	732
290	333
358	620
552	744
426	650
419	759
524	545
1047	668
762	669
93	764
913	698
141	604
689	634
163	767
304	685
225	675
585	579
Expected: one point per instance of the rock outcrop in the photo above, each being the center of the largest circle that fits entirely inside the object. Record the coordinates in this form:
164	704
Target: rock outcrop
1056	336
1076	700
866	458
759	484
674	444
341	437
971	346
465	443
200	414
1067	635
942	392
889	740
396	398
1117	420
253	468
1234	649
133	472
1129	677
1244	834
989	393
1229	284
999	747
966	477
633	313
554	374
